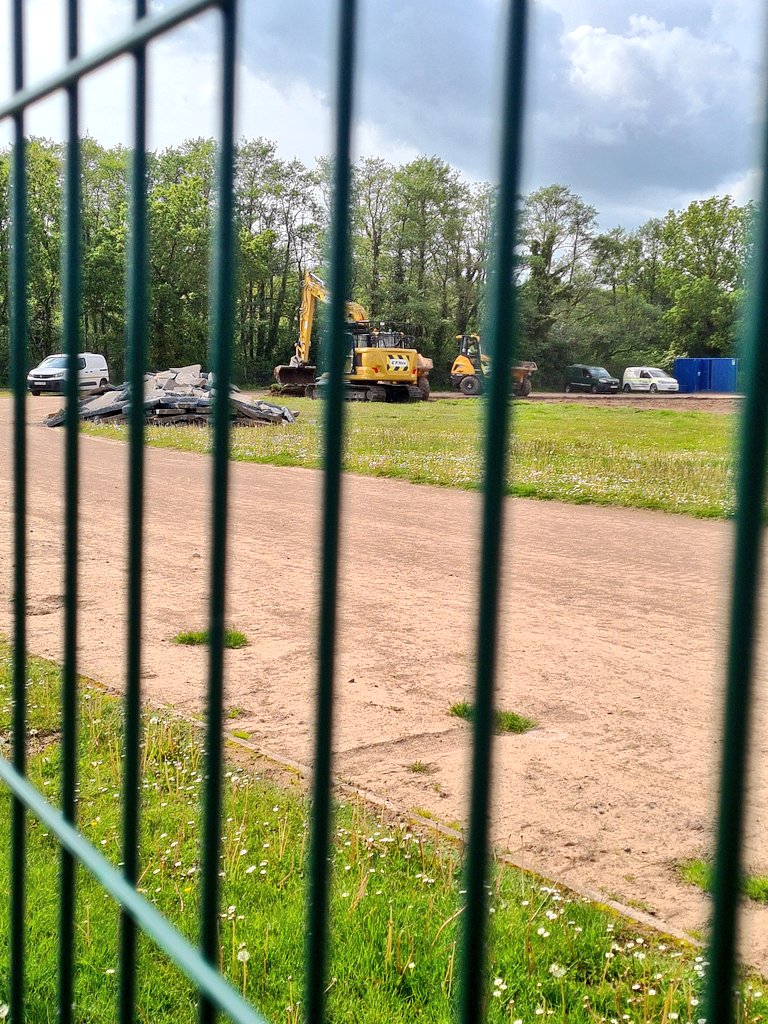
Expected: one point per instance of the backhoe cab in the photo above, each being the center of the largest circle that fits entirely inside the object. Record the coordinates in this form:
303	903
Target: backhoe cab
382	365
472	367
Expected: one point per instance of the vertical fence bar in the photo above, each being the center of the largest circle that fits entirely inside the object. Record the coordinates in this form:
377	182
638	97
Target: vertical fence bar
18	310
501	330
71	276
136	344
745	593
336	350
221	329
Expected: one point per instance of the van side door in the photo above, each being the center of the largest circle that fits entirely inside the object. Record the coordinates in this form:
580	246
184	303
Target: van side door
644	381
87	373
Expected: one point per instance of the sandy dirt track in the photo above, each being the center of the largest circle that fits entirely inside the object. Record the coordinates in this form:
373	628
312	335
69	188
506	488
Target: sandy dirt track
612	641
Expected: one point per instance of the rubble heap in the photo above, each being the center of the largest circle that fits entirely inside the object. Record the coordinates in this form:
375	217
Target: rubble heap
182	395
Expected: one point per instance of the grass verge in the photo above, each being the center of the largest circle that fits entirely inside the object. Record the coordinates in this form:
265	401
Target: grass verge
701	873
396	907
503	721
233	638
641	458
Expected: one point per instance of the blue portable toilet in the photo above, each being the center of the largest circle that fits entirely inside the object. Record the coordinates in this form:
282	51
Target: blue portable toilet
723	374
706	374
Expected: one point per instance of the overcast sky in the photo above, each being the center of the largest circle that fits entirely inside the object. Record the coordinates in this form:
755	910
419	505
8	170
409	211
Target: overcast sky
638	105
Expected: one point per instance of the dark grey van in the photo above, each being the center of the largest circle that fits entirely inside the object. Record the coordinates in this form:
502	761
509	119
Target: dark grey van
594	379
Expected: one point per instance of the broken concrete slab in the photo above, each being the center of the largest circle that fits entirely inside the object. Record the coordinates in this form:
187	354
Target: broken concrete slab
183	395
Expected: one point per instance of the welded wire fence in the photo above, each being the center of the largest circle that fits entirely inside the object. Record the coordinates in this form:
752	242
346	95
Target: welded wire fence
137	914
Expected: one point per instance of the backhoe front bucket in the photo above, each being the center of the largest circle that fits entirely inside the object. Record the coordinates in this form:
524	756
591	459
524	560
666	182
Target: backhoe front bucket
295	376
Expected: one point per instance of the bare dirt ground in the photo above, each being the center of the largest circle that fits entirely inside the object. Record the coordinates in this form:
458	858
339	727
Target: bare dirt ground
612	641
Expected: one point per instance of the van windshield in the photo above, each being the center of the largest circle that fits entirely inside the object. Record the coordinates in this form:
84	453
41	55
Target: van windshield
54	363
657	373
598	371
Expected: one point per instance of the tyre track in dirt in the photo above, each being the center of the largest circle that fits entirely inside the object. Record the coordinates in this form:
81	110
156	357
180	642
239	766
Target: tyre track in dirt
612	640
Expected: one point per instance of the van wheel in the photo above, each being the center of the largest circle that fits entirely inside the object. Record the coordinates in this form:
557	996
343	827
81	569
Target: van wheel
653	389
36	394
567	389
593	389
627	387
103	383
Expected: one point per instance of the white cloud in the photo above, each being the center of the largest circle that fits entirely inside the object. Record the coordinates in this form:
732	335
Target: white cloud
636	104
653	73
742	189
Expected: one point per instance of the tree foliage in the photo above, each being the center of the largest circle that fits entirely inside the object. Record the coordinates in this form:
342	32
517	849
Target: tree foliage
420	243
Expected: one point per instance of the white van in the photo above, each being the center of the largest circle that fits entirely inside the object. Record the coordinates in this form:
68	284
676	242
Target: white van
648	378
51	374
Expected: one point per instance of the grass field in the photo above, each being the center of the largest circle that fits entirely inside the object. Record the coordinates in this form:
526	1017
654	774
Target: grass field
396	900
701	873
659	459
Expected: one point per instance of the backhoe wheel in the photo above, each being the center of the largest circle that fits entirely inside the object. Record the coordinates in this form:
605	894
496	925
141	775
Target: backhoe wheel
470	385
423	385
525	387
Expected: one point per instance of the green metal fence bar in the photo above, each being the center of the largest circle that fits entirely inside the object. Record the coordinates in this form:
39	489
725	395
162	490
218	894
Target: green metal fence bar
71	279
501	330
336	347
745	593
18	310
221	331
149	919
136	343
131	41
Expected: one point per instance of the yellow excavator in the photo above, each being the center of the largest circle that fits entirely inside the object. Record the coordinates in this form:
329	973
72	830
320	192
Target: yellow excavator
382	365
472	366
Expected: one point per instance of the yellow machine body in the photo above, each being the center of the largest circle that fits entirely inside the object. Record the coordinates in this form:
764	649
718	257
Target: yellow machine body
472	367
376	370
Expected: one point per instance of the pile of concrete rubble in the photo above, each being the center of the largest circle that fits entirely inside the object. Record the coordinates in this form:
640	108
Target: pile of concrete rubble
183	395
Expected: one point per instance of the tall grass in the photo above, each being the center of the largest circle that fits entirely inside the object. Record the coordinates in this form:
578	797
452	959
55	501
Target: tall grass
396	900
642	458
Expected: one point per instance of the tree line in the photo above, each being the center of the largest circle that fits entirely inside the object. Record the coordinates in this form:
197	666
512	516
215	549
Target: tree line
420	236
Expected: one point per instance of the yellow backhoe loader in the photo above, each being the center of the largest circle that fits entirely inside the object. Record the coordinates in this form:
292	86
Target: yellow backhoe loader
382	365
472	366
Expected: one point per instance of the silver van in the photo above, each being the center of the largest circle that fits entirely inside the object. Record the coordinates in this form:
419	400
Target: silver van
51	375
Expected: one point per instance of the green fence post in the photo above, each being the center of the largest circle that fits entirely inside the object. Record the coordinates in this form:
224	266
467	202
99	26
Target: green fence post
71	291
136	345
18	311
221	330
334	338
501	330
750	518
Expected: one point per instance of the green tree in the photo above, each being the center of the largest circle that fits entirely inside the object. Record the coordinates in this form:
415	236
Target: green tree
703	256
180	209
556	269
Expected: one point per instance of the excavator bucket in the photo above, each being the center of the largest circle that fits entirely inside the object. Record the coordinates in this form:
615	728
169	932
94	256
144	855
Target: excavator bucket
297	377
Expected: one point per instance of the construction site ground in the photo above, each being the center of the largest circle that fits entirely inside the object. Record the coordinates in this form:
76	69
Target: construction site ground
613	633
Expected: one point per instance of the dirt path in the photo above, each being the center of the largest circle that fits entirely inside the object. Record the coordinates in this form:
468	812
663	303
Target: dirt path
612	641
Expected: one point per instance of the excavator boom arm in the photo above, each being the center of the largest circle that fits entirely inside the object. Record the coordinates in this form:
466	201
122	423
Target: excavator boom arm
314	289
